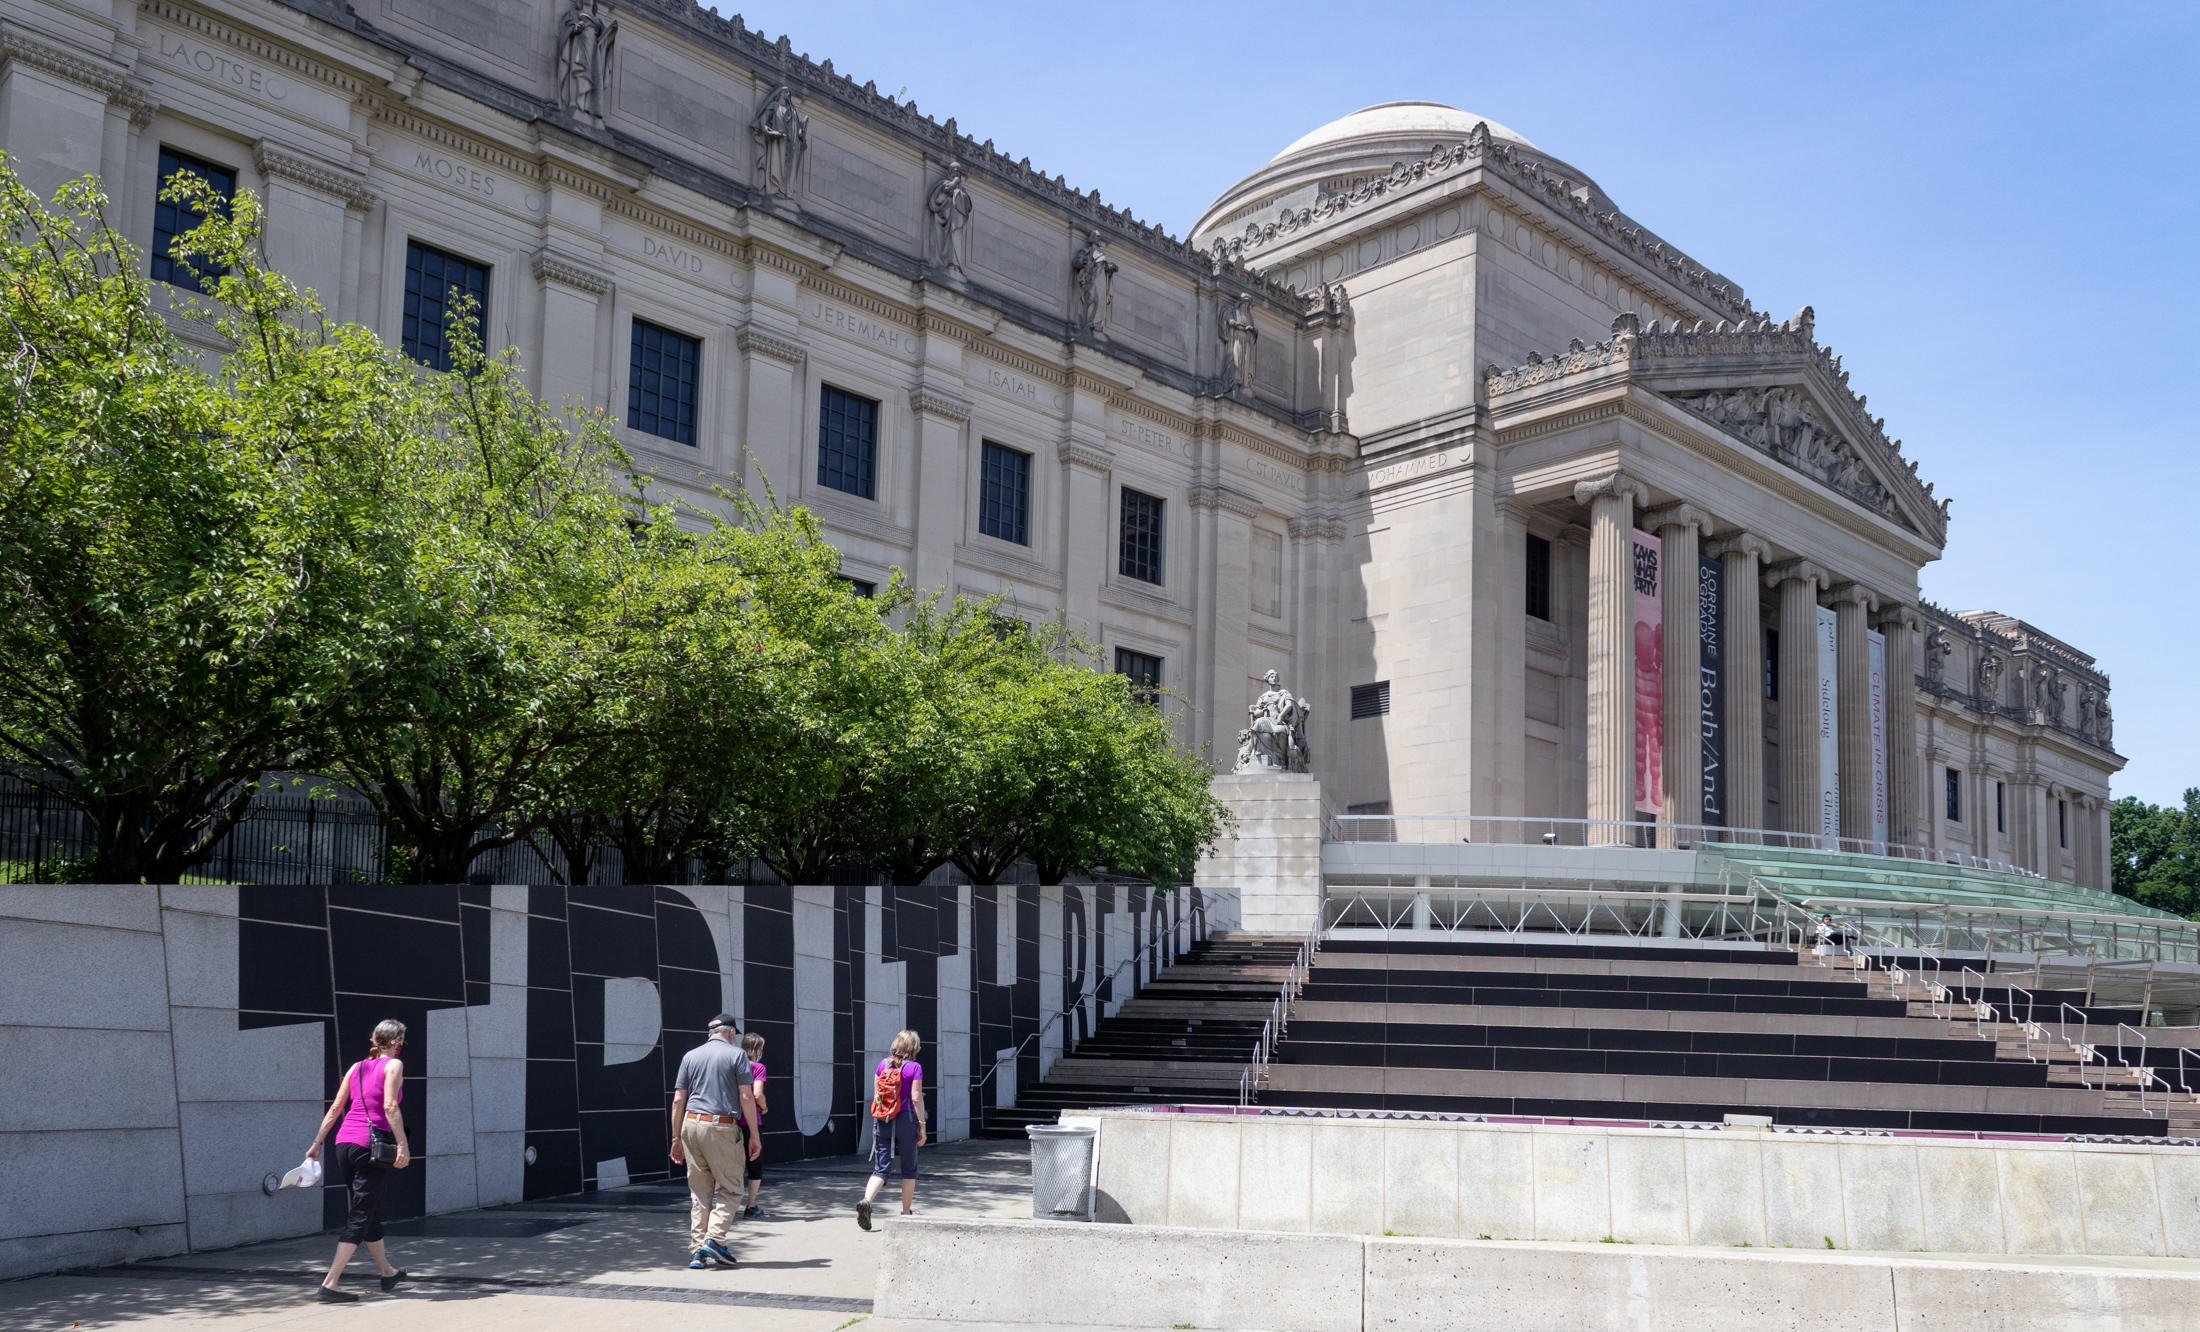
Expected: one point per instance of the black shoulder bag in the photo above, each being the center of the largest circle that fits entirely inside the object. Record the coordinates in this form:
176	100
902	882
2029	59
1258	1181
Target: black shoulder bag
381	1143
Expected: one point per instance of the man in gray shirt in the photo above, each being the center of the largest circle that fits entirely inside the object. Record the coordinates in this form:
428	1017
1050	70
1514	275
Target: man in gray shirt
712	1101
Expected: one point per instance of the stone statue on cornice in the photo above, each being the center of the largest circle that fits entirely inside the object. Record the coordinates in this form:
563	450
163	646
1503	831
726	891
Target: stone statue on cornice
1095	274
782	135
1241	340
949	206
585	38
1990	665
1937	651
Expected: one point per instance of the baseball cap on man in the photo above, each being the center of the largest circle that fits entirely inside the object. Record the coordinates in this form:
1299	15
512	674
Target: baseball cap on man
725	1020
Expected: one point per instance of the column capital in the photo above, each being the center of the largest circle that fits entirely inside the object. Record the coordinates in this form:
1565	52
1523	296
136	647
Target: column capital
1614	486
946	406
276	162
19	47
1224	499
749	338
550	266
1741	543
1316	524
1851	594
1894	615
1797	571
1084	453
1682	514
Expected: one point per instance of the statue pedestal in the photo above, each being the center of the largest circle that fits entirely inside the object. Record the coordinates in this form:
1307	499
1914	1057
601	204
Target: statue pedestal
1275	863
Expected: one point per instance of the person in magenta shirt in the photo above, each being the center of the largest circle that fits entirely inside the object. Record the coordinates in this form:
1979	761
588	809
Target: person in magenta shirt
366	1099
903	1129
753	1046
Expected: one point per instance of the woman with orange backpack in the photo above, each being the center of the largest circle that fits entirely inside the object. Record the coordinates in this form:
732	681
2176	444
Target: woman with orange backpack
897	1122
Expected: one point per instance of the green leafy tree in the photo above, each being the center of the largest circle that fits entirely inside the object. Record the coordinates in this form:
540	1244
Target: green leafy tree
2154	853
198	562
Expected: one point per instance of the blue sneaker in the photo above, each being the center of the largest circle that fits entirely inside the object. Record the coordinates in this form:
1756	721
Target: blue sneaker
716	1250
698	1261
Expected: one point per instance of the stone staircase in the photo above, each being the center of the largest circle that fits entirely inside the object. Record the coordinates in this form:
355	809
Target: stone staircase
2126	1091
1188	1036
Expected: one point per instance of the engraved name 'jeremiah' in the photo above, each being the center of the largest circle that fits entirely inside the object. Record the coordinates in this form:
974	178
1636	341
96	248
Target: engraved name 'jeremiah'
856	326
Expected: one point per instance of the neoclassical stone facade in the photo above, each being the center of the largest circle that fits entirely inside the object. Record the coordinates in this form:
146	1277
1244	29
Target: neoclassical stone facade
1396	419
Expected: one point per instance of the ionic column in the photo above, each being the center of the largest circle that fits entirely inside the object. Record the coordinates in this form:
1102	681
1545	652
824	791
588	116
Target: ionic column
1901	624
1679	612
1744	651
1611	755
1852	607
1801	791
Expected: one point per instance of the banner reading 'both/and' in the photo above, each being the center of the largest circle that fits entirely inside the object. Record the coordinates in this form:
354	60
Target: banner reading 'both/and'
1829	728
1710	608
1649	678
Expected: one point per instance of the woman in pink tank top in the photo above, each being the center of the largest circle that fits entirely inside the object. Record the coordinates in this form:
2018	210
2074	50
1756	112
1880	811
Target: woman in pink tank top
366	1101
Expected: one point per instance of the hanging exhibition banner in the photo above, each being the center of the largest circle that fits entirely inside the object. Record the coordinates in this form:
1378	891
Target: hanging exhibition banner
1878	643
1649	680
1829	730
1710	612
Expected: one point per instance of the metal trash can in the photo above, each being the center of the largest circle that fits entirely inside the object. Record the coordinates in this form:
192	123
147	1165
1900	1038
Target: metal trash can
1061	1171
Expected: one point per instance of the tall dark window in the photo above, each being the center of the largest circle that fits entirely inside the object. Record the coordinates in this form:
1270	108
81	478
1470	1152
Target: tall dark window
2062	823
1144	670
2000	823
171	220
1004	493
1371	700
1141	553
435	282
1539	578
1955	796
1772	664
861	587
660	383
847	443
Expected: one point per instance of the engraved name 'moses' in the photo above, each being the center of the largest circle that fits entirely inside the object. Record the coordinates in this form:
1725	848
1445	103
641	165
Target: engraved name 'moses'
456	174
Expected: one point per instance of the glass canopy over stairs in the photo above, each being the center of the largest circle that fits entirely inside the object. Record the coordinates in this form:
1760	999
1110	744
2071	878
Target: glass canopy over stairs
1848	877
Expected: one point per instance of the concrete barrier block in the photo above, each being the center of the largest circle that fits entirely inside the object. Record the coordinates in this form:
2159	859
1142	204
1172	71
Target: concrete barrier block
34	1254
1573	1187
202	959
243	1216
1497	1184
1726	1189
1135	1276
1348	1179
1967	1297
1421	1181
1275	1176
1467	1287
1649	1188
127	1075
117	906
1881	1198
1203	1175
216	1061
96	1179
500	1167
228	1146
2177	1180
1961	1192
1803	1192
2118	1200
499	1095
451	1183
82	976
2040	1211
1134	1168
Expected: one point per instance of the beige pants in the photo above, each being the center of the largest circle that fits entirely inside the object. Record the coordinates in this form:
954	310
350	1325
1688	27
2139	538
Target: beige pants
718	1168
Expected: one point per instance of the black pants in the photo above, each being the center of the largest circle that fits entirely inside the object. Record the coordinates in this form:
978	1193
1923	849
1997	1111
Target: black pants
362	1192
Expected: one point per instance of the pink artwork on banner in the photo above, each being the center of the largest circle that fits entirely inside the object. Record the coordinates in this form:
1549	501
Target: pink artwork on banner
1649	679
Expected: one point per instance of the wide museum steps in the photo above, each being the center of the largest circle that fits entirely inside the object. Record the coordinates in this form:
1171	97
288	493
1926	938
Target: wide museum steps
1187	1036
1646	1032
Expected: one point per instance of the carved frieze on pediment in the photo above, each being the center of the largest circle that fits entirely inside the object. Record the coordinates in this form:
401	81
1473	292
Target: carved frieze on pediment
1785	423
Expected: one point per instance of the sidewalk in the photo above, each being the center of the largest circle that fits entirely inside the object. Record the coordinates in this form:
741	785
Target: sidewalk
584	1263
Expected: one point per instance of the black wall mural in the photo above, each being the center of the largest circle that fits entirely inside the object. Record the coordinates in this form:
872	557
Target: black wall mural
348	957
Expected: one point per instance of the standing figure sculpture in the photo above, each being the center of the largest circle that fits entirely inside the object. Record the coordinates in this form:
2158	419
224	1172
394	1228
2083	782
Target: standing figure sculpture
1241	339
782	135
949	206
1275	741
1095	284
2089	706
585	38
1989	678
1937	651
2104	725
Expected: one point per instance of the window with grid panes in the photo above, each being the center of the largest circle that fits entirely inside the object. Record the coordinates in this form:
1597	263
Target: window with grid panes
1955	796
847	443
1004	493
1144	670
660	383
1539	578
1140	556
436	282
171	220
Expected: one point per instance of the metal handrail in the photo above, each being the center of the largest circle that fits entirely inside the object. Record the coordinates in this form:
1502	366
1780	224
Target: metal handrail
2144	1074
1531	831
2083	1045
1279	1016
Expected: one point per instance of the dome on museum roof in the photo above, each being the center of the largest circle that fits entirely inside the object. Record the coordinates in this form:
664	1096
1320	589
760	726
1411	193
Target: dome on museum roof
1414	122
1367	142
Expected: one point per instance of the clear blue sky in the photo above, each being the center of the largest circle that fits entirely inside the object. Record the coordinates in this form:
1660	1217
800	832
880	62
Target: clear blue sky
1991	206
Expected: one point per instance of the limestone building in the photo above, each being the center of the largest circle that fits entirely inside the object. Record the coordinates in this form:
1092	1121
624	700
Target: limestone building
1545	518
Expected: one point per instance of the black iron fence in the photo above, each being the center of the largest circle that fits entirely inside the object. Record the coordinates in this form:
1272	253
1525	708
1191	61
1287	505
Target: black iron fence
292	835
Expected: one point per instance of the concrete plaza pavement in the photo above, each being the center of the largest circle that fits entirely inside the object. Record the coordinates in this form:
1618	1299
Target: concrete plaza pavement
609	1260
